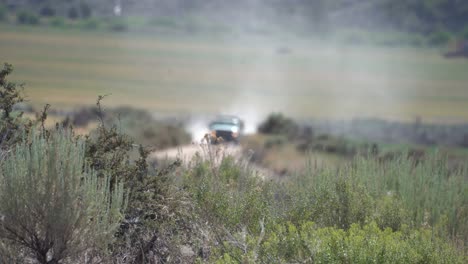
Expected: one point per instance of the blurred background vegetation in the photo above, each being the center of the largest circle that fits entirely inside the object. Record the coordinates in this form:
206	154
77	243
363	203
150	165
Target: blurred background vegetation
431	22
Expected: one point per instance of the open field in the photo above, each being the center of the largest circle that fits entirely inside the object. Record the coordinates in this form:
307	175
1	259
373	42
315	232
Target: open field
244	75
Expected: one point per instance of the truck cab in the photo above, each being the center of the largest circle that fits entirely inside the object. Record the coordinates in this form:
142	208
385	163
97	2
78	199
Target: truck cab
226	128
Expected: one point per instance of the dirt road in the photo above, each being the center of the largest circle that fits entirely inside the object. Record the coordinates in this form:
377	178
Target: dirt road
214	153
187	152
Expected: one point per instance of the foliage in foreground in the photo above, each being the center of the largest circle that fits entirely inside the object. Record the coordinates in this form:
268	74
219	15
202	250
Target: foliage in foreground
308	243
423	203
53	209
219	209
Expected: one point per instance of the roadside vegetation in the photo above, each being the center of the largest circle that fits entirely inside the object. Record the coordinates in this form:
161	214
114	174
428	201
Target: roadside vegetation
67	198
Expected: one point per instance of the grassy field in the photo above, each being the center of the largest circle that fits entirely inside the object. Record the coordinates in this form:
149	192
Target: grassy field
244	75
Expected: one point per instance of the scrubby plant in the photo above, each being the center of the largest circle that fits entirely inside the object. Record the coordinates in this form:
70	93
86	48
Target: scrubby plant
229	197
159	218
10	93
58	22
90	24
47	11
27	18
277	123
11	123
308	243
53	207
327	197
85	10
73	13
138	124
464	33
439	38
3	13
118	25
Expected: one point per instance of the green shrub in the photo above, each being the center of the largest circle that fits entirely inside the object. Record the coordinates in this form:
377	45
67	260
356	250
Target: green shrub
53	207
27	18
159	217
85	10
47	11
12	124
416	41
329	200
3	13
118	25
58	22
73	13
439	38
307	243
391	212
164	22
464	34
229	195
90	24
277	123
140	125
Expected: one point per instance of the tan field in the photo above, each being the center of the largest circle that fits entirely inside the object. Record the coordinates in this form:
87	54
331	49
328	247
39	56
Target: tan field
248	75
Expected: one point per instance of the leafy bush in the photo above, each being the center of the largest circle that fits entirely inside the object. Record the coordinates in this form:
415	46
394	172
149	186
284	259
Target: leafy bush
164	22
277	123
138	124
73	13
27	18
391	212
85	10
52	208
439	38
118	25
327	199
47	11
229	195
11	126
307	243
57	22
3	13
90	24
159	218
464	34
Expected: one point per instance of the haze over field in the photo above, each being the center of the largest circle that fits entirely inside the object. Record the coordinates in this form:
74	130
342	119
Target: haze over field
309	59
249	74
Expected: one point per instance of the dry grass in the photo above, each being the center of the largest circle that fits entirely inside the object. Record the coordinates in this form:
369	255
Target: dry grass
183	74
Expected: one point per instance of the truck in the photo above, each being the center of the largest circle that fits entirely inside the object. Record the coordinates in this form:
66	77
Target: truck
226	128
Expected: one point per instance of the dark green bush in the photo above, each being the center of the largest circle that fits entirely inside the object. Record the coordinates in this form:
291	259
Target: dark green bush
391	212
47	11
277	123
308	243
118	25
141	126
85	10
3	13
439	38
57	22
164	22
27	18
53	206
228	196
90	24
464	34
73	13
12	125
